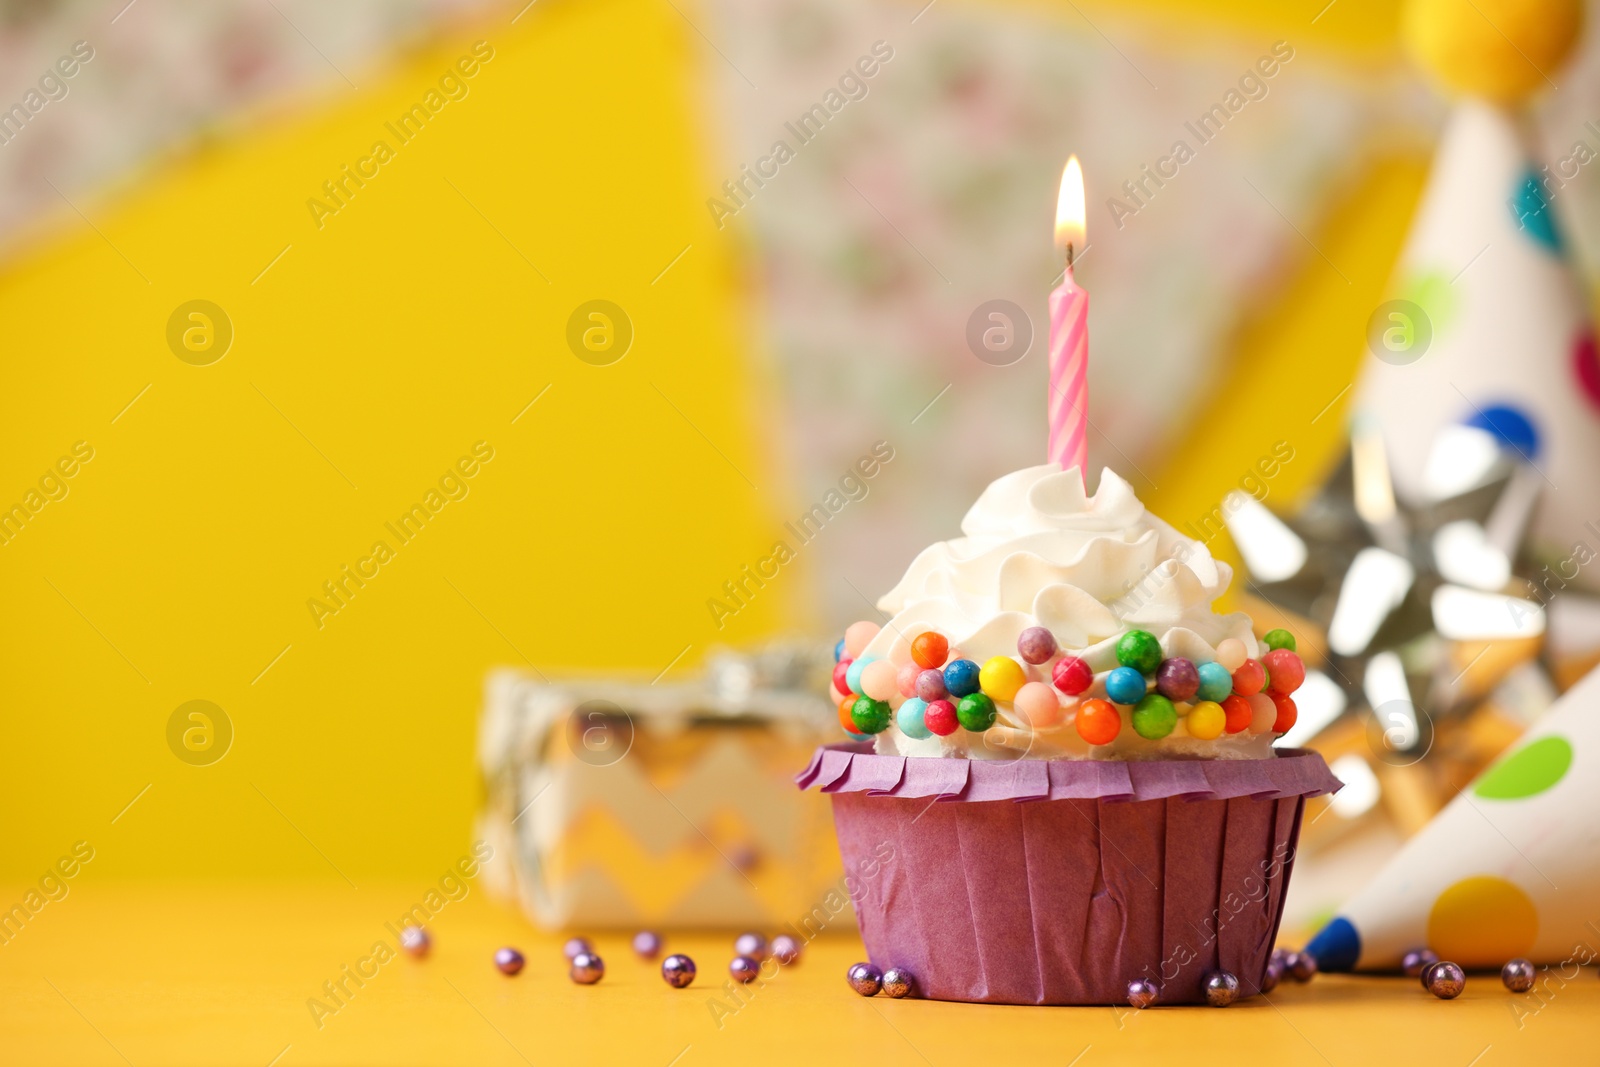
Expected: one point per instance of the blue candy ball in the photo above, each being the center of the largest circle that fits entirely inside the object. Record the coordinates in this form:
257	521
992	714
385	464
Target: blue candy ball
838	651
1125	686
960	677
852	674
1215	682
910	719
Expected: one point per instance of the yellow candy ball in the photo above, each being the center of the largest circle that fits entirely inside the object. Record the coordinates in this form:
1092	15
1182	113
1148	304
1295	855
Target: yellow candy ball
1206	720
1000	677
1500	50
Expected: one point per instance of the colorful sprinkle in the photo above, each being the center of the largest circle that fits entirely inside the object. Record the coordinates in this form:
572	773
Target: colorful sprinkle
1072	675
1125	685
961	677
1038	704
1177	679
928	650
1154	717
1279	638
1098	722
1036	645
976	712
1206	721
910	719
1140	650
858	635
1001	677
870	716
1215	682
1288	671
941	718
1530	770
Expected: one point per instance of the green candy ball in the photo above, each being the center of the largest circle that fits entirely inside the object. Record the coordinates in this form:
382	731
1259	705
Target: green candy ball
1154	717
976	712
1279	639
870	716
1140	650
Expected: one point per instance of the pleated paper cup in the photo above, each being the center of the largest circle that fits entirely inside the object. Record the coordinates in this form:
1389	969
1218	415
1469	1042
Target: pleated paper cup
1061	881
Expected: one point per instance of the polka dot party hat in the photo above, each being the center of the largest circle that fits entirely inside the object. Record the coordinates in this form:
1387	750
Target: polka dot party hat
1507	869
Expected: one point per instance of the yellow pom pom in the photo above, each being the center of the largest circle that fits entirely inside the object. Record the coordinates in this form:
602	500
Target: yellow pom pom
1500	50
1000	677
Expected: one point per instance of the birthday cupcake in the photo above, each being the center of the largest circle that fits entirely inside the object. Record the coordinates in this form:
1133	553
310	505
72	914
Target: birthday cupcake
1059	785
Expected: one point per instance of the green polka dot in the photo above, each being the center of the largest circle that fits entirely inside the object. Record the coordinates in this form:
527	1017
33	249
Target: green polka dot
1432	291
1528	771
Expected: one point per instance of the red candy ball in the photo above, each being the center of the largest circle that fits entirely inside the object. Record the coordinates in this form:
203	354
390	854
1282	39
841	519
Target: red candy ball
1287	714
1248	679
1237	710
1098	722
929	650
940	717
1287	669
839	671
1071	675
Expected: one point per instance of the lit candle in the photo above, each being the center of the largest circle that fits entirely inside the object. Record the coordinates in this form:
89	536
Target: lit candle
1069	336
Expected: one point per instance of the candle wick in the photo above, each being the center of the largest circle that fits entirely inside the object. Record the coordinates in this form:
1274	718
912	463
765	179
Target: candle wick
1069	255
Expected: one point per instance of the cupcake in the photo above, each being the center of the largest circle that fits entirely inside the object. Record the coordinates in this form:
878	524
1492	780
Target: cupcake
1059	777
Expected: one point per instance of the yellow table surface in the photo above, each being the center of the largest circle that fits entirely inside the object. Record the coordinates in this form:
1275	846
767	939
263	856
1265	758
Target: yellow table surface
221	974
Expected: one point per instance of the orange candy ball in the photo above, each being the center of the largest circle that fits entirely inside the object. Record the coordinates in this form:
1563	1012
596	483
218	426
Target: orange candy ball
1288	671
1287	714
928	650
1238	711
1098	722
845	720
1249	678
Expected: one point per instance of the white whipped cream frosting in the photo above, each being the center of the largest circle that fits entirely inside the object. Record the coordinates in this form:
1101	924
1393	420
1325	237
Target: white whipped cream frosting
1037	551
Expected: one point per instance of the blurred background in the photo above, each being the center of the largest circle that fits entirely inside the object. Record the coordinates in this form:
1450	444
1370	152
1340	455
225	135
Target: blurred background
378	325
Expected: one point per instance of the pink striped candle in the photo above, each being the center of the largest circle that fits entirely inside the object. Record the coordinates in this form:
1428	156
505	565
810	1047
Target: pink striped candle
1069	337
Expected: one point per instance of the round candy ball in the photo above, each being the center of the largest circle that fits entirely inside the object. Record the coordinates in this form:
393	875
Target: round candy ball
858	635
909	717
846	706
508	960
751	944
785	949
1098	722
878	681
1071	675
1287	669
415	940
1445	980
1177	679
647	944
1036	645
575	947
1518	975
1038	704
1263	713
1215	682
1206	721
897	982
1154	717
1249	678
1001	677
852	674
1302	966
1125	685
1287	714
1140	650
841	675
905	679
838	651
1231	653
1221	989
587	968
1280	638
961	677
929	649
1237	710
976	712
930	685
865	979
1142	993
744	968
870	716
677	971
940	717
1416	961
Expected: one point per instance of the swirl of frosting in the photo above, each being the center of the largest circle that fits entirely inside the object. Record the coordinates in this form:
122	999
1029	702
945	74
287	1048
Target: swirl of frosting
1038	551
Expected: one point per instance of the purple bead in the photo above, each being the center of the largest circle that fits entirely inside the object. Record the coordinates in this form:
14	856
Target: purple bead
897	982
509	960
587	968
865	979
1221	989
1302	966
1417	960
751	944
930	686
744	968
415	940
1518	975
1036	645
576	947
786	949
1280	956
1142	993
1273	975
1445	980
647	944
678	971
1177	679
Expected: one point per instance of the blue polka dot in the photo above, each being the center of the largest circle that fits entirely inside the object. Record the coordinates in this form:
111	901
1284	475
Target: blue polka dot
1535	217
1337	947
1513	427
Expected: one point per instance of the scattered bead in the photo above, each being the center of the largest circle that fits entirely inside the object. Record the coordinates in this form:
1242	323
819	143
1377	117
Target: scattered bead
1237	711
1302	966
838	651
928	650
1231	653
930	685
909	717
1206	721
751	944
1072	675
976	712
1518	975
852	674
1140	650
865	979
961	677
1036	645
1280	956
1263	713
647	944
1272	976
1001	677
1445	980
744	969
1215	682
1276	639
905	679
897	982
509	960
858	635
1416	961
1287	713
1177	679
1288	671
415	940
587	968
841	675
1154	717
677	971
1038	704
1142	993
1125	685
1249	678
785	949
575	947
941	718
1221	989
879	679
870	716
1098	722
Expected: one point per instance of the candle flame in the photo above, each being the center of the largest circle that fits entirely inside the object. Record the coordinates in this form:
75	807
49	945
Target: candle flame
1069	207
